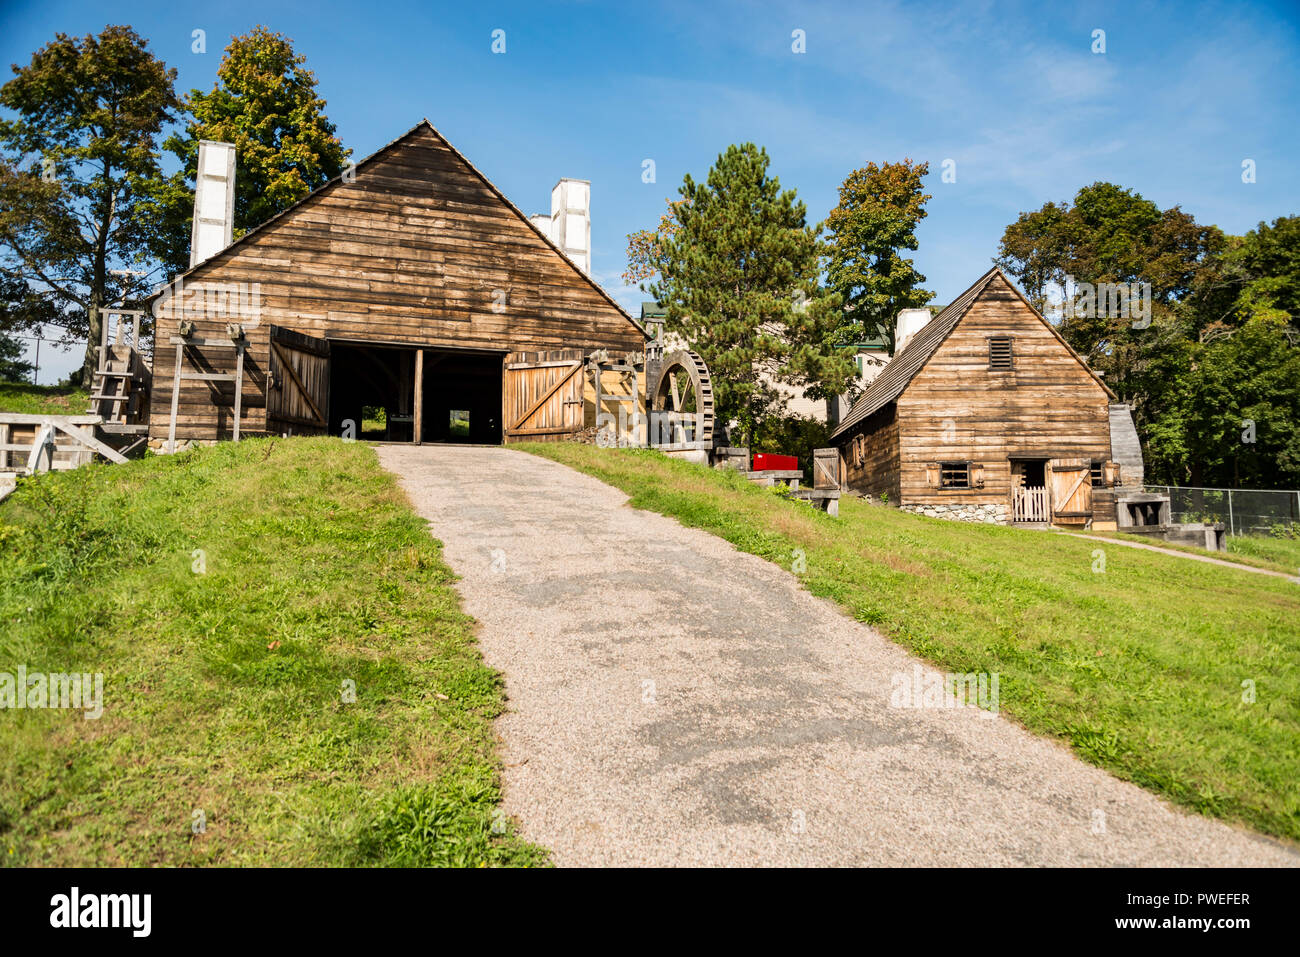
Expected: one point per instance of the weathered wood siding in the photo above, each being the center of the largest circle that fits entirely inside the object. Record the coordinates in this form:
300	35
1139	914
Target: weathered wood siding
871	456
958	409
418	250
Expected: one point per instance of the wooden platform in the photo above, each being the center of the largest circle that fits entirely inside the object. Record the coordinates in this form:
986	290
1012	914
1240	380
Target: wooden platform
39	443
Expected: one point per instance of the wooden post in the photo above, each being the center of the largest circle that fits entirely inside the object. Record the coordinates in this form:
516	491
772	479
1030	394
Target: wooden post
4	440
417	414
176	397
239	384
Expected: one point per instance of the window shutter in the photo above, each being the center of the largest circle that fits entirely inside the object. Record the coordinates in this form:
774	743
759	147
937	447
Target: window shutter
932	470
977	475
1112	474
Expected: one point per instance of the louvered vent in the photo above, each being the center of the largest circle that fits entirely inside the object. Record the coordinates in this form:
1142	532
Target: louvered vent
1000	352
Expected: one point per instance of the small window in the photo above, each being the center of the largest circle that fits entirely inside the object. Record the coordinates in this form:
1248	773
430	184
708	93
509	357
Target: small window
954	475
999	352
1098	474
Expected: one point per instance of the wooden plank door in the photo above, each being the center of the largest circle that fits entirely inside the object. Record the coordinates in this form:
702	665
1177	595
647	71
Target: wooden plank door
543	395
1069	482
298	383
826	468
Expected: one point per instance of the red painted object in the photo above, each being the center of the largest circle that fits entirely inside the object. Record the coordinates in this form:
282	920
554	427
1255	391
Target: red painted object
764	461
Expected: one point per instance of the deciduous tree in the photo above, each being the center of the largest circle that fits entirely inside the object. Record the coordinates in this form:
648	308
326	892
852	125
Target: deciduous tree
874	223
81	153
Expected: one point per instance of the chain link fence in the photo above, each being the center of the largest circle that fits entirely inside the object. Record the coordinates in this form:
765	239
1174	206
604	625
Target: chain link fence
1242	511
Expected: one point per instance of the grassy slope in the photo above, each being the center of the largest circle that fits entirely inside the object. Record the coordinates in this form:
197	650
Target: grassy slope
223	689
1139	668
1278	552
1242	550
38	399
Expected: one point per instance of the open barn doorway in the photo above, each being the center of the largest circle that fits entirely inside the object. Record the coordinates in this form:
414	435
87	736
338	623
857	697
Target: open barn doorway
462	397
373	386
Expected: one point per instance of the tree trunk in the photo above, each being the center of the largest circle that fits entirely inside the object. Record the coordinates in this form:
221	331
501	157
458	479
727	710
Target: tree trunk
95	318
98	282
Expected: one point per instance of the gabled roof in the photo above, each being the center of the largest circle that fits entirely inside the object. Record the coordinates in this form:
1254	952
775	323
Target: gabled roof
423	124
903	368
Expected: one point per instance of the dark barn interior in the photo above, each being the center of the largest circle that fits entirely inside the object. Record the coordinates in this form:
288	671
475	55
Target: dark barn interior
374	386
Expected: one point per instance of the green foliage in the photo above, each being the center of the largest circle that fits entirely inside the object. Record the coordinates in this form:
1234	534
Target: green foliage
81	155
792	435
740	279
1139	670
264	102
12	365
222	687
876	219
1221	350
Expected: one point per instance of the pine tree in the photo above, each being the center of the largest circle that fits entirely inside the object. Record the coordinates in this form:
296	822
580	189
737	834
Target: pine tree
740	281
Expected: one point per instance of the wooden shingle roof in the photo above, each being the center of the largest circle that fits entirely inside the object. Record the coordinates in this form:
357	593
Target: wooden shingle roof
891	382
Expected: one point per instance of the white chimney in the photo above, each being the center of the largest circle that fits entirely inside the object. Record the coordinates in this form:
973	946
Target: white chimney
571	220
542	222
910	322
214	201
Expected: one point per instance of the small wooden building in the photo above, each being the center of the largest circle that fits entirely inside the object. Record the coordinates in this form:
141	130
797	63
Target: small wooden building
986	414
409	284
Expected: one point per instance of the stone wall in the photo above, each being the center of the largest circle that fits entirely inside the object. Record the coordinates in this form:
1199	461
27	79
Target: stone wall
988	514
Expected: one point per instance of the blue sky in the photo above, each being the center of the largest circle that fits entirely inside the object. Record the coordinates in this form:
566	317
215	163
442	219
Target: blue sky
1011	92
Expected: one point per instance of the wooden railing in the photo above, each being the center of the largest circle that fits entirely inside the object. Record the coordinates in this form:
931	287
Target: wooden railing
1029	504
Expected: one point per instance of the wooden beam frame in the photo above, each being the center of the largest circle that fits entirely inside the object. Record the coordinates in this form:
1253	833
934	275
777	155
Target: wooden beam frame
417	412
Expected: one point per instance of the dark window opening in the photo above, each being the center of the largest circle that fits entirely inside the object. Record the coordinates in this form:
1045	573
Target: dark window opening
954	475
1000	352
1098	474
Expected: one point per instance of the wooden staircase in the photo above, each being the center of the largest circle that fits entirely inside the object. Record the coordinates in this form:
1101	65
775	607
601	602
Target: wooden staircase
120	390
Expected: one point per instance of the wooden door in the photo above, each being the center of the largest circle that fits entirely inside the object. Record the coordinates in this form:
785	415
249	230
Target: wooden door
543	395
1070	485
298	383
826	468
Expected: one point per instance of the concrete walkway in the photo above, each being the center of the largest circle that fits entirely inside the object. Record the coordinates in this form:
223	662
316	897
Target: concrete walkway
675	702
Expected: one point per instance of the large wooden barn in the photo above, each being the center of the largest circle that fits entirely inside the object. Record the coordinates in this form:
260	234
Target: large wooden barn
409	285
987	414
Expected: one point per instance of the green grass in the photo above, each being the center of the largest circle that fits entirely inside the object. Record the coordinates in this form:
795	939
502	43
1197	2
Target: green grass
37	399
1138	667
1280	551
1237	554
223	686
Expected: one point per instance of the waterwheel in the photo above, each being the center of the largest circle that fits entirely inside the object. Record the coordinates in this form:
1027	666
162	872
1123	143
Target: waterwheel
684	387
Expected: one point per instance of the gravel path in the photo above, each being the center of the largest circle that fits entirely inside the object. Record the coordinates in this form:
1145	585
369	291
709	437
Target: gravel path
675	702
1209	559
